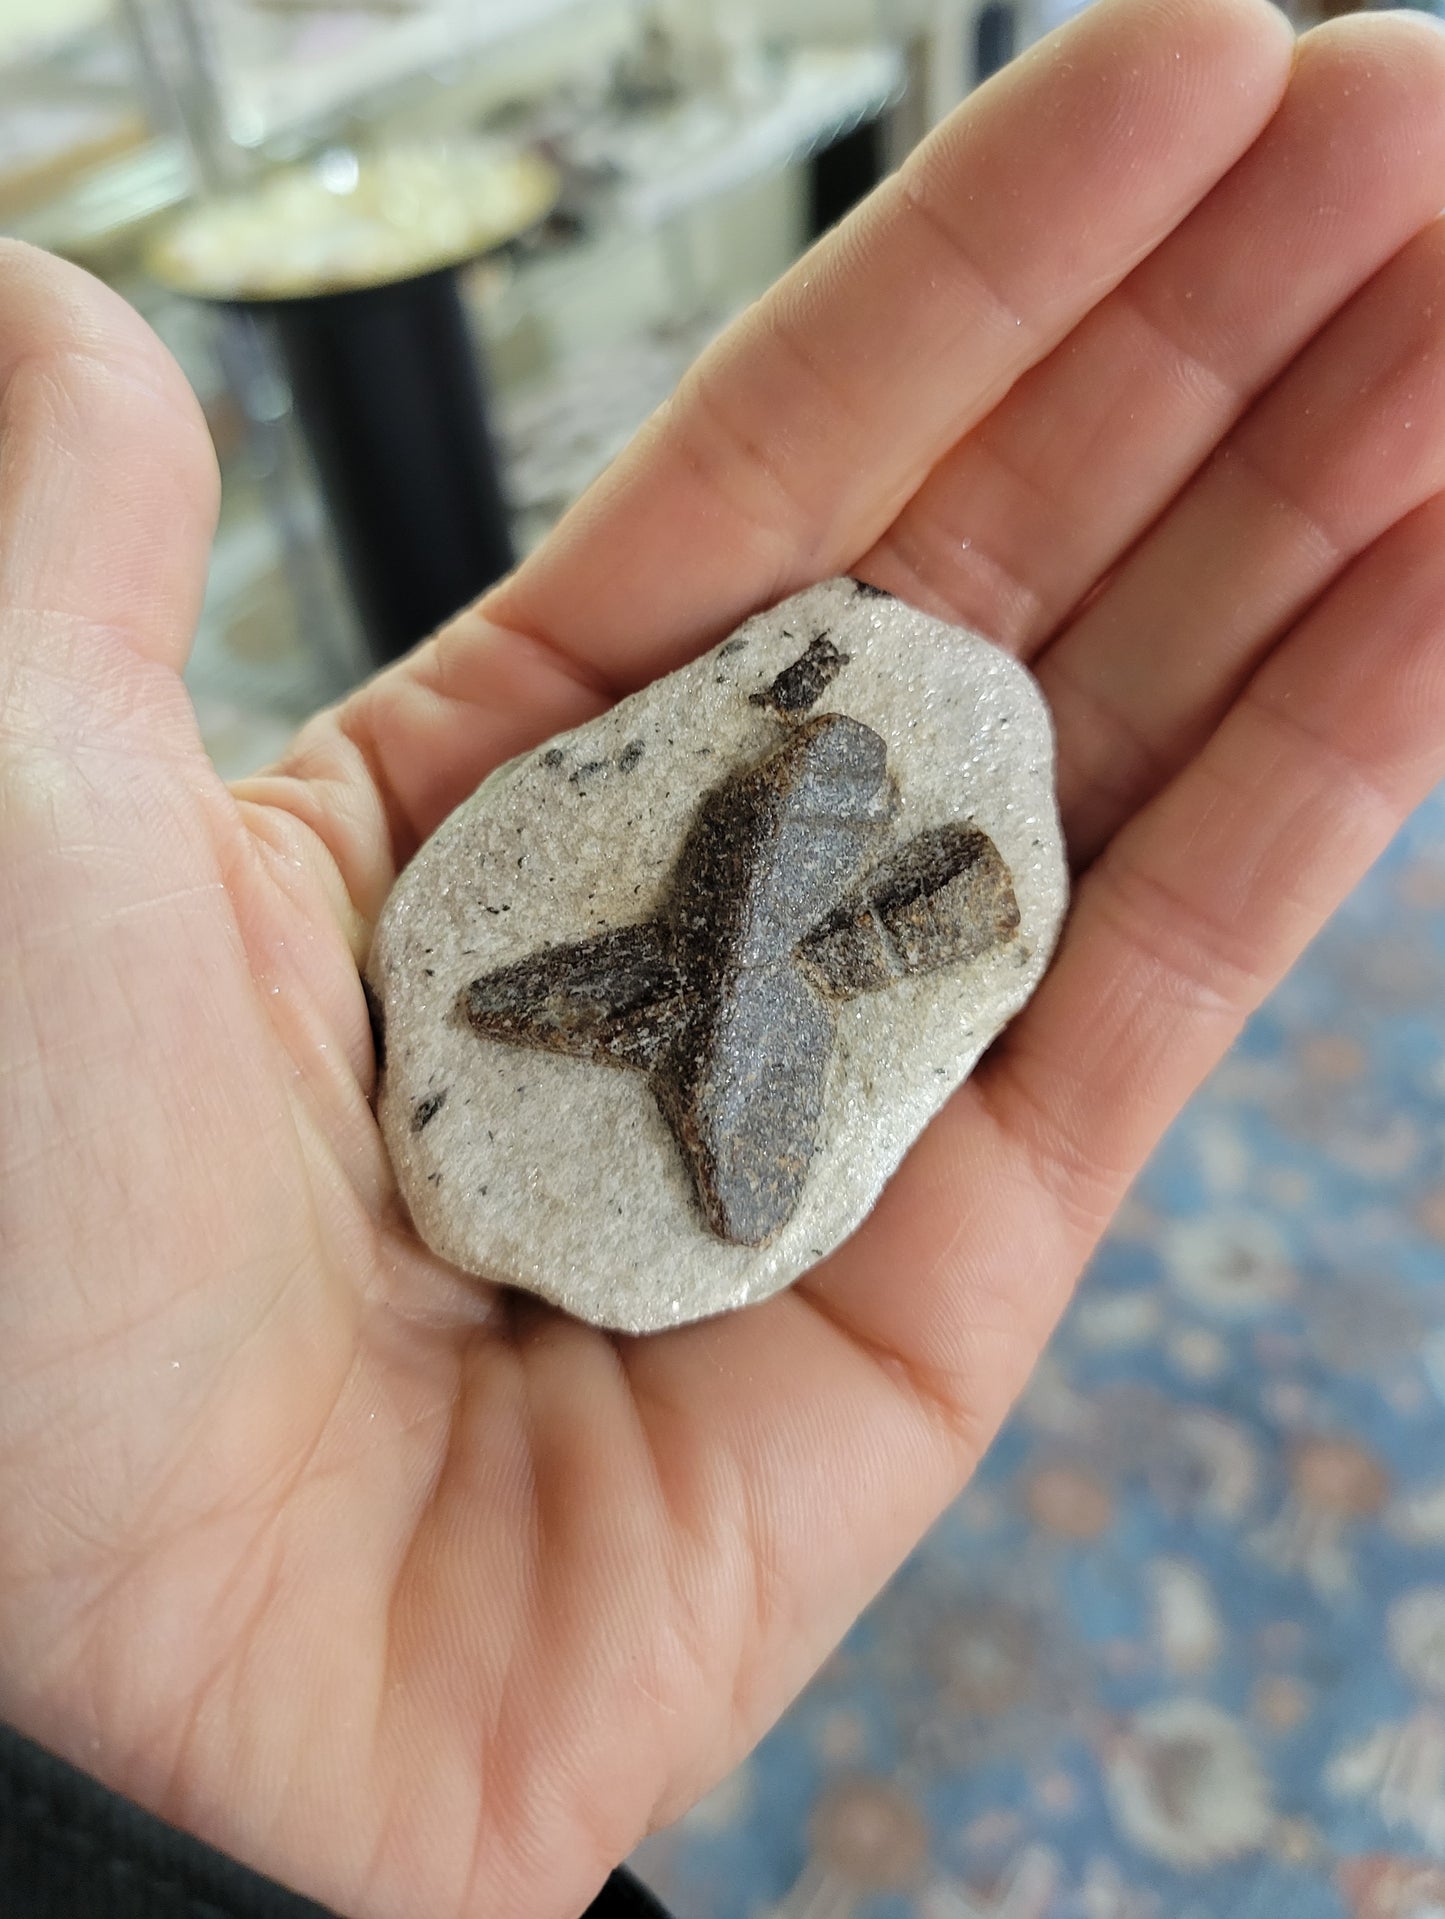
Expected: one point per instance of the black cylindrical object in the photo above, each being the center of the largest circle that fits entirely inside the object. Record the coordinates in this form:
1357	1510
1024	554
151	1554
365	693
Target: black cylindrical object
997	39
843	173
390	392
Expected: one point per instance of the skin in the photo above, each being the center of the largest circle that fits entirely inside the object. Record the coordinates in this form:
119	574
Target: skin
433	1603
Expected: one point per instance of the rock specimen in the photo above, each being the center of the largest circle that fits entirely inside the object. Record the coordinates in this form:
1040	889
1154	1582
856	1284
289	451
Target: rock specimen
792	891
723	998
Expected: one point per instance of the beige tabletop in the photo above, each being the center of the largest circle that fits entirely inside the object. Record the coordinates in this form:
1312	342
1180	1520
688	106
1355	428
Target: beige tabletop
351	220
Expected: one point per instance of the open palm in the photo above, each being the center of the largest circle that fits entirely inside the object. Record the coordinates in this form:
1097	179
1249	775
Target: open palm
432	1602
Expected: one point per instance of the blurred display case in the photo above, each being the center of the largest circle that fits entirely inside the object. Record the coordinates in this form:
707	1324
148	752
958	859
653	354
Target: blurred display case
696	148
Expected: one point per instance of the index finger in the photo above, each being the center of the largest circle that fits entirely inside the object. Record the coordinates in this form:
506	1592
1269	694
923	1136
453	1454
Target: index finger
795	441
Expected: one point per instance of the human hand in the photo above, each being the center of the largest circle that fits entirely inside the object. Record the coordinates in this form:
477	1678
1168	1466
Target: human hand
429	1603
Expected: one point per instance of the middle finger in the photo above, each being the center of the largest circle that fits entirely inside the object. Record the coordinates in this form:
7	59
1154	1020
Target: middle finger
1349	442
1016	525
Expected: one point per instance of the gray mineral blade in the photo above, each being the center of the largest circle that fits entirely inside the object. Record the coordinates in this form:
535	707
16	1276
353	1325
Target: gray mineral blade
944	897
742	1090
774	847
616	999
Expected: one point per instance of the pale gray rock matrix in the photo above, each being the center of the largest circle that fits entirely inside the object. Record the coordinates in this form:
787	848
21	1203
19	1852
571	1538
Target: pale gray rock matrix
560	1175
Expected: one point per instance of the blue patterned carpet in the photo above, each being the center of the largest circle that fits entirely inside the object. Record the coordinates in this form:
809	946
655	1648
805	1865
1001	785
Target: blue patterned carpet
1179	1653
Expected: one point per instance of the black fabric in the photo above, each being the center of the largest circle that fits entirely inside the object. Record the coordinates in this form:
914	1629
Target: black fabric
71	1850
624	1897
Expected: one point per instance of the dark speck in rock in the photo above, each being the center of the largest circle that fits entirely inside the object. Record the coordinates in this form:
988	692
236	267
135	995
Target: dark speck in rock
630	755
732	646
865	590
585	771
426	1110
553	757
801	685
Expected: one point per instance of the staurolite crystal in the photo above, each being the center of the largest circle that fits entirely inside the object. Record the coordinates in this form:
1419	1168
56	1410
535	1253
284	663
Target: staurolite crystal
794	888
723	998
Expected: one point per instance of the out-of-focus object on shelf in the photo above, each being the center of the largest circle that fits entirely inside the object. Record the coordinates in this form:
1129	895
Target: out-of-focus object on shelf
961	43
33	30
92	212
350	220
255	82
1313	13
646	158
47	145
302	63
67	104
353	262
560	434
802	100
113	126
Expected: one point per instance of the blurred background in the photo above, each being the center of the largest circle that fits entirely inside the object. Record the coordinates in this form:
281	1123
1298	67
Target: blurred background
428	263
1180	1650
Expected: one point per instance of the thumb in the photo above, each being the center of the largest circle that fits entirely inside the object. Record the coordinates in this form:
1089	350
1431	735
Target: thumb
133	1099
108	484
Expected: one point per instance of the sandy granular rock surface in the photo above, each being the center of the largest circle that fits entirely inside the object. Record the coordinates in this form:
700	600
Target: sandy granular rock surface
560	1175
